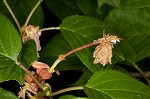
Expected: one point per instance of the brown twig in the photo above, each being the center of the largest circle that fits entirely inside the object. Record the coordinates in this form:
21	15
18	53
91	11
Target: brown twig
62	57
141	72
138	75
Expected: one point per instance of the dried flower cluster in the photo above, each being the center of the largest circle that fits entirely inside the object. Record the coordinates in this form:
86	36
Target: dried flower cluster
41	74
103	52
31	32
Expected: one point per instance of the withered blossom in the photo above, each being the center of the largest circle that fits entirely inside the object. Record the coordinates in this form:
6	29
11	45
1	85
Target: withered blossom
26	90
41	74
103	52
31	32
41	70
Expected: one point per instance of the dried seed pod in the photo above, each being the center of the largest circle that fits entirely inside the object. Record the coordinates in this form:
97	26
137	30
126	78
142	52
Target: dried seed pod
31	32
41	71
103	52
39	65
43	74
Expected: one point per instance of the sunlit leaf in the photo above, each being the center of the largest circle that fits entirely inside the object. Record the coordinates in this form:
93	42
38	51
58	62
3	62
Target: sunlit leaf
109	84
10	42
10	46
81	30
9	70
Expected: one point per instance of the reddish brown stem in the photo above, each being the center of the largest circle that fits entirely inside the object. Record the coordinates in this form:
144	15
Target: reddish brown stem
79	48
62	57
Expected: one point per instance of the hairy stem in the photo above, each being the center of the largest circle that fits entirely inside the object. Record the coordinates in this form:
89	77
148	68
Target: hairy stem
62	57
66	89
49	28
142	73
13	15
31	13
22	67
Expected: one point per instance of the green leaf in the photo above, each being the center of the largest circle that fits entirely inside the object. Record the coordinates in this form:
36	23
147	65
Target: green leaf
21	9
114	3
83	79
67	97
63	8
127	50
94	94
132	29
29	53
80	30
117	53
88	7
56	46
9	70
7	95
135	3
10	46
121	69
116	85
10	42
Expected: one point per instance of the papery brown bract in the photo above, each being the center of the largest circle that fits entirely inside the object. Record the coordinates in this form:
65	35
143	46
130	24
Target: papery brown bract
43	74
31	32
103	52
39	65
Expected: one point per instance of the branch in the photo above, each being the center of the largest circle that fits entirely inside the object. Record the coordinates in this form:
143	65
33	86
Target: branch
62	57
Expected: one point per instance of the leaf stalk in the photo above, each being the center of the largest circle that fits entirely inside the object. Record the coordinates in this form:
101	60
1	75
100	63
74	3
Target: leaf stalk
49	28
62	57
31	13
13	15
67	89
